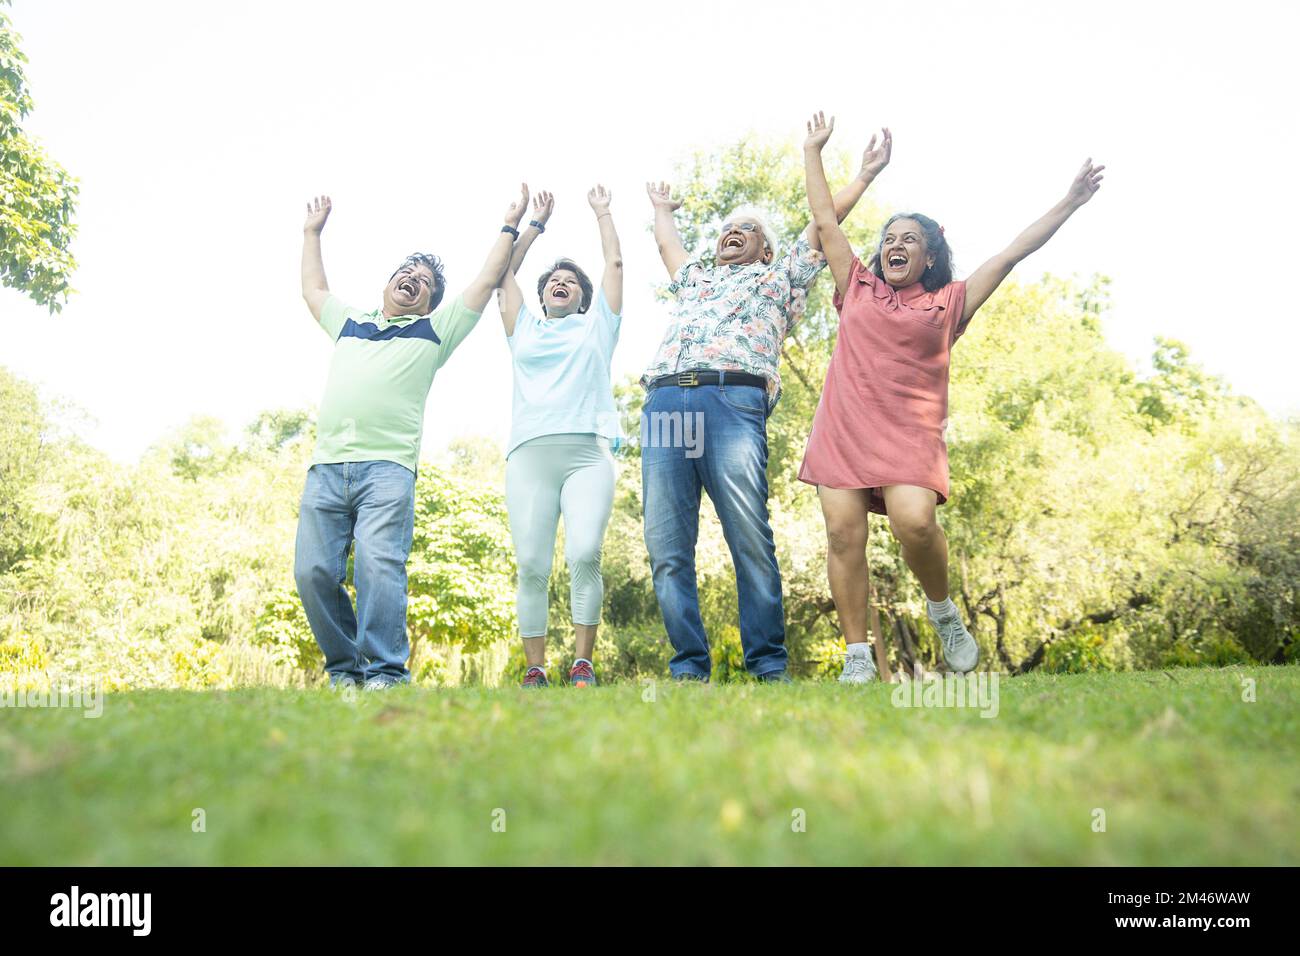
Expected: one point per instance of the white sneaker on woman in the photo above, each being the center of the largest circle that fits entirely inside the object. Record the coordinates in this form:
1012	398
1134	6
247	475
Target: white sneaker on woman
959	648
859	668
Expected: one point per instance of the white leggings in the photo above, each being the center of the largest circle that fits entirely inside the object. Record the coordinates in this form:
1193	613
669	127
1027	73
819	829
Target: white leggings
550	475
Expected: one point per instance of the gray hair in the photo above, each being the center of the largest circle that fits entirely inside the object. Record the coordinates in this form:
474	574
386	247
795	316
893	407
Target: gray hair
756	214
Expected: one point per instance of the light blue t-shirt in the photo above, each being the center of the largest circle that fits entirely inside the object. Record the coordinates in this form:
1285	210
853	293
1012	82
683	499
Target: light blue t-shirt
562	381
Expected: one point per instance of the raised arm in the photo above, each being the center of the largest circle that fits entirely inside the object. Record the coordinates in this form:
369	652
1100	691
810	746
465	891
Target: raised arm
667	237
985	280
612	281
833	242
543	206
478	292
315	288
874	159
510	297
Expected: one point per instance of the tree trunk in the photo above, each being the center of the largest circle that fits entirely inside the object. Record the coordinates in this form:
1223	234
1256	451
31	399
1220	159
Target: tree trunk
906	648
877	635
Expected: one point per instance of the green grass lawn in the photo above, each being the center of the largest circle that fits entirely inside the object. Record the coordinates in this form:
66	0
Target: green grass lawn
1186	772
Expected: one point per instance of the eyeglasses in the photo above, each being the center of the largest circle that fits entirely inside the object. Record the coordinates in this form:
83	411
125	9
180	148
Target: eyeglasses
742	226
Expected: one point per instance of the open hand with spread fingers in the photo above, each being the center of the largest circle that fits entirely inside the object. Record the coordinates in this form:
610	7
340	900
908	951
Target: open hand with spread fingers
875	158
599	198
819	131
543	206
661	196
1086	183
318	210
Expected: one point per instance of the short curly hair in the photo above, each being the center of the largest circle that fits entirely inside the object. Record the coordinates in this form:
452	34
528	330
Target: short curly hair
584	283
434	265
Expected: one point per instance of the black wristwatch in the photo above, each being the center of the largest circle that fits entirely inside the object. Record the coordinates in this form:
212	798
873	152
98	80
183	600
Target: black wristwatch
536	225
512	230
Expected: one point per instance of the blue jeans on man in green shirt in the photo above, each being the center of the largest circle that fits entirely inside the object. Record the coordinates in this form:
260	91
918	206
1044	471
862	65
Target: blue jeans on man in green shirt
369	504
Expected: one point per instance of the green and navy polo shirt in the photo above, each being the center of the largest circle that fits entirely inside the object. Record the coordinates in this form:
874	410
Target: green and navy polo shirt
379	380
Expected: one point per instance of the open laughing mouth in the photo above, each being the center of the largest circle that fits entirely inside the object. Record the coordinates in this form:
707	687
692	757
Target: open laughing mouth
734	241
897	260
409	287
559	293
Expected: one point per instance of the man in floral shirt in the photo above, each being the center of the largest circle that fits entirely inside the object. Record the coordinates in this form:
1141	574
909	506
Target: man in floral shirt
711	386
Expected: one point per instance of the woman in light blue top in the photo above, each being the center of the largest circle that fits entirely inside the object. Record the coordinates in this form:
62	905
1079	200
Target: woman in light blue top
563	422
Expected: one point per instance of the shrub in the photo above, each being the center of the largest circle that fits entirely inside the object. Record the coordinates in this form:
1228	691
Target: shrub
1077	654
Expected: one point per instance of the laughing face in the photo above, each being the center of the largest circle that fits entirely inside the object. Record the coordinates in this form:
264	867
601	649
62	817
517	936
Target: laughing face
409	291
563	293
742	242
903	253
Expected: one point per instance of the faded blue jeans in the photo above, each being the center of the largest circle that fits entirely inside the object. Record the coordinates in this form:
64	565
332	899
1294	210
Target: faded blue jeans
371	504
711	438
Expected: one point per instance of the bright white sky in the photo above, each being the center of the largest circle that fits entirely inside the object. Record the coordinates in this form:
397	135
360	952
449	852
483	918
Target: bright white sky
199	131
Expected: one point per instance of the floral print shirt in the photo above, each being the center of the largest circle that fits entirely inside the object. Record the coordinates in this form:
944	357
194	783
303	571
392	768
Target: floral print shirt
733	318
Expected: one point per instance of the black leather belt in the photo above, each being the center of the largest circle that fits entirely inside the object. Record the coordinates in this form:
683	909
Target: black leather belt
709	377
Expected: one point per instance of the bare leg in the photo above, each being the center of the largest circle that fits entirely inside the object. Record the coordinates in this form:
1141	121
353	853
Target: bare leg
535	651
925	548
845	512
584	640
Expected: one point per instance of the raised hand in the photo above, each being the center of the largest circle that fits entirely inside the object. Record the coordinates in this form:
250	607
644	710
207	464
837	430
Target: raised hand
543	206
515	214
875	158
819	131
599	198
318	211
1086	182
661	196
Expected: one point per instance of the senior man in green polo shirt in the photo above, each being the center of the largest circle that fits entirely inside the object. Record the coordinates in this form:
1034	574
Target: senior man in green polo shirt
360	490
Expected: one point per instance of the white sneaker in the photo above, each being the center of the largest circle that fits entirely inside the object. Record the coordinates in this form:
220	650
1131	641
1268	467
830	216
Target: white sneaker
859	668
959	648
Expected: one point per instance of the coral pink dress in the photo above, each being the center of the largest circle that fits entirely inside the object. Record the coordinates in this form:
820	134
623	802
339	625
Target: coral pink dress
884	408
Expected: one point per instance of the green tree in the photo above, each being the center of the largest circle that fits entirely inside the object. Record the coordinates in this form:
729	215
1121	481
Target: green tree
199	447
461	566
24	453
37	196
274	431
1180	392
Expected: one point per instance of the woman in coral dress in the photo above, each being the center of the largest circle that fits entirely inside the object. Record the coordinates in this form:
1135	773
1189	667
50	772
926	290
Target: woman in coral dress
877	441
